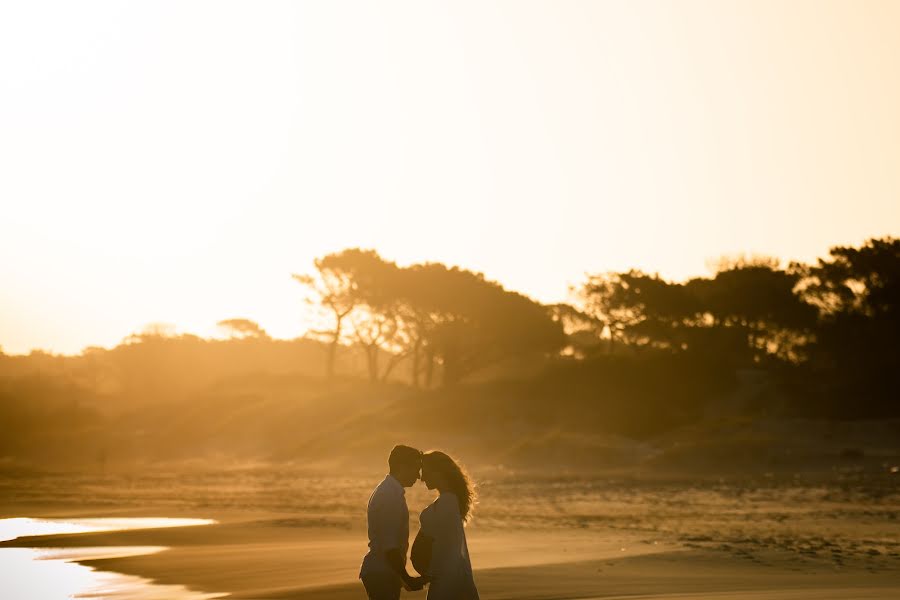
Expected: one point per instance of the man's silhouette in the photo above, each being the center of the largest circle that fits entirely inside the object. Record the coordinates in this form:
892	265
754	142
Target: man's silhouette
383	570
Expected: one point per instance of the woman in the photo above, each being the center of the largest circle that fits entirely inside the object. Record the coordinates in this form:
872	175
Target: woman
440	552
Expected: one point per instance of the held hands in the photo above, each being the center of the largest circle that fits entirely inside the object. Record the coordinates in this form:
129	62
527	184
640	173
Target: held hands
414	584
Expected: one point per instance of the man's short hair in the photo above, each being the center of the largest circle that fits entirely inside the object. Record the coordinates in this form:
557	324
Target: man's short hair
404	455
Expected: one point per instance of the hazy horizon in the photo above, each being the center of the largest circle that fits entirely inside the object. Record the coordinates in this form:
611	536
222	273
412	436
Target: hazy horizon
171	162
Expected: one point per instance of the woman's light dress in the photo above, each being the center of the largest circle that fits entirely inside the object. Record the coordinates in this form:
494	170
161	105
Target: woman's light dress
450	569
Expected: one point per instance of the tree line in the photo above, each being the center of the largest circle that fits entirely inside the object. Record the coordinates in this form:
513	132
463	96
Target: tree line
826	332
429	314
829	327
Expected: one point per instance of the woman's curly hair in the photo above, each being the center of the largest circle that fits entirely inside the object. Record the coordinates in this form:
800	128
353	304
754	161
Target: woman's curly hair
457	478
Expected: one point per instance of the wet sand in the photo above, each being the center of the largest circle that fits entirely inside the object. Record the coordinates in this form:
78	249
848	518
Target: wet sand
277	557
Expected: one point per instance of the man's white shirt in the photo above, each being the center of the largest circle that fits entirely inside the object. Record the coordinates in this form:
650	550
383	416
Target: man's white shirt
388	523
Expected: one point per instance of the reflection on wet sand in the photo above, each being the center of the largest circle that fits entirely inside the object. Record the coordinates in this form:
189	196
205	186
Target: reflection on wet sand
11	529
55	574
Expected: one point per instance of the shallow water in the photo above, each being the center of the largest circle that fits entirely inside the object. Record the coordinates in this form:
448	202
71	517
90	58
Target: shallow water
55	574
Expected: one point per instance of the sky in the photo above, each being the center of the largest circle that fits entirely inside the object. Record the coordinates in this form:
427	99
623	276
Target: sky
176	162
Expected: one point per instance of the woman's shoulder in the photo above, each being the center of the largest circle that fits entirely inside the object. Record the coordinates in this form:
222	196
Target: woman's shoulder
429	510
447	503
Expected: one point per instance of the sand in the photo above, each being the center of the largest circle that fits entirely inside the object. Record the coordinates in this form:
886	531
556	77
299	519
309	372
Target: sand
568	539
270	556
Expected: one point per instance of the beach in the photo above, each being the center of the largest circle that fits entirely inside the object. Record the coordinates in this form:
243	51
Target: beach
532	538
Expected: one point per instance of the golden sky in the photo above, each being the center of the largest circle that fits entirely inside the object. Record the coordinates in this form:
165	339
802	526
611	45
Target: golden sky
177	161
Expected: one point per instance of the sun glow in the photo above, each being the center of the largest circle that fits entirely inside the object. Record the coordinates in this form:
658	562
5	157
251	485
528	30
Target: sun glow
165	162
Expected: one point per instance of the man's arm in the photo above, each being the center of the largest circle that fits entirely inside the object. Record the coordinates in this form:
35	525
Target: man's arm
394	519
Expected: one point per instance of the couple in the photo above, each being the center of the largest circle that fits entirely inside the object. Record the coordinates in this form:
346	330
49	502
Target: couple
439	552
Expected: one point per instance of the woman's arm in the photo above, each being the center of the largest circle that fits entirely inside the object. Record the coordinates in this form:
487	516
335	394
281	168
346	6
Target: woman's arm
395	559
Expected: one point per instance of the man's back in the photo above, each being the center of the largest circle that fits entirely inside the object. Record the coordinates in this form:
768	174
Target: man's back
388	525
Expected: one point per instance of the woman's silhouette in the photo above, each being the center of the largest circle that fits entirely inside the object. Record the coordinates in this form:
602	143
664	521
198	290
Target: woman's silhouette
440	551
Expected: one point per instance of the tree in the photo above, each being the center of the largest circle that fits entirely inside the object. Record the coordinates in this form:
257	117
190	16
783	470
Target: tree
854	359
640	309
748	310
333	288
602	298
740	261
864	281
361	293
583	332
466	323
151	331
441	316
243	328
375	323
759	300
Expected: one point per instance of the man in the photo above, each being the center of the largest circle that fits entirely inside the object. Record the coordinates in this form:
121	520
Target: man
383	570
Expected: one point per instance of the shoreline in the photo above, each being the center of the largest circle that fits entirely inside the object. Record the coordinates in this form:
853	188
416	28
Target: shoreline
277	556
